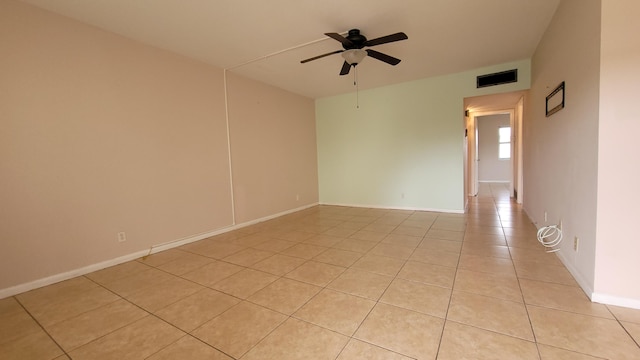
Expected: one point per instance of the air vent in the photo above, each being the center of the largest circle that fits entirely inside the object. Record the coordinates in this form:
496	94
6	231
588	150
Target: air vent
504	77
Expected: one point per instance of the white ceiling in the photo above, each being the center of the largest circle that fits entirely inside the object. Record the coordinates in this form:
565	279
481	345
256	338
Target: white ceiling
445	36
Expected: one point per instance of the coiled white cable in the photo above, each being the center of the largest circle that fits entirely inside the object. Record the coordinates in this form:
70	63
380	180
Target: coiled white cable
550	236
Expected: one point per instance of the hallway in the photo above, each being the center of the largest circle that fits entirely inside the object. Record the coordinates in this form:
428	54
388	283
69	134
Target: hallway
332	282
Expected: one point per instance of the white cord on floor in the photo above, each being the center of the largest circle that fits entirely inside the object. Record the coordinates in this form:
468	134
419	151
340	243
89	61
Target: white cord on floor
550	236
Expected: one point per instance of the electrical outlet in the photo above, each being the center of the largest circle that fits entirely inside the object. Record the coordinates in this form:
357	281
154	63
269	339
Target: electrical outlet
575	243
122	237
297	197
402	196
545	216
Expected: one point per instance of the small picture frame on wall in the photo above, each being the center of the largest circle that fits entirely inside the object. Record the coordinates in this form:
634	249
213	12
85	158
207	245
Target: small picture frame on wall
555	100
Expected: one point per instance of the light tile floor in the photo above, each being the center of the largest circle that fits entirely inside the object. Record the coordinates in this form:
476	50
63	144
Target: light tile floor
332	283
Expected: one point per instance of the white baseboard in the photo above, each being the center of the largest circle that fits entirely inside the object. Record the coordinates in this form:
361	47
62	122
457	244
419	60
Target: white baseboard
396	208
588	289
615	300
179	242
283	213
585	285
18	289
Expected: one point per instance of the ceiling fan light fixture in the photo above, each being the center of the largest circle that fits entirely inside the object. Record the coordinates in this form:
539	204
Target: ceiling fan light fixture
354	53
354	56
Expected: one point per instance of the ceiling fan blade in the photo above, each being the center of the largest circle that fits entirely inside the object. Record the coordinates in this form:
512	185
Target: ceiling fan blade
345	42
383	57
346	67
321	56
386	39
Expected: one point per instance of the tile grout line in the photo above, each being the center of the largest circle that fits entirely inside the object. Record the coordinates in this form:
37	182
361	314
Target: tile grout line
290	316
455	277
619	321
557	309
149	313
524	303
309	226
41	326
385	290
381	295
545	307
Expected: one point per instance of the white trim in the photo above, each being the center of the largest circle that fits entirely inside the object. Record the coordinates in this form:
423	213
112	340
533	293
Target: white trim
494	181
615	300
518	181
179	242
187	240
283	213
474	172
226	117
586	287
18	289
448	211
263	57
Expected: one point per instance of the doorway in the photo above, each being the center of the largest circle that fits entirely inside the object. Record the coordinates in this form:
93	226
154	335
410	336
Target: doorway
509	107
486	163
494	148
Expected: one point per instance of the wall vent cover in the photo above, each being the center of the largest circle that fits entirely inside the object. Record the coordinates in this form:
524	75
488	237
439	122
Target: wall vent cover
499	78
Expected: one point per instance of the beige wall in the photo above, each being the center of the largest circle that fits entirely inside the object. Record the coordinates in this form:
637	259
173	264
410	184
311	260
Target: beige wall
579	163
617	266
101	134
274	162
560	152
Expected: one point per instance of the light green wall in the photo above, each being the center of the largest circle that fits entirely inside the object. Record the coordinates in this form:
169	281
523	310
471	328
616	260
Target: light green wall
403	147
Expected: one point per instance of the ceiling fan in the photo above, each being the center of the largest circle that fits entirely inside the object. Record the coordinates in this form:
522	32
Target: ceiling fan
353	52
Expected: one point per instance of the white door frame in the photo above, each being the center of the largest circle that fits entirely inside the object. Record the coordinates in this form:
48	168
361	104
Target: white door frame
472	148
518	168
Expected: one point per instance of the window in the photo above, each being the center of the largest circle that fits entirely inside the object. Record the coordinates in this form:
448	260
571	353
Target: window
504	140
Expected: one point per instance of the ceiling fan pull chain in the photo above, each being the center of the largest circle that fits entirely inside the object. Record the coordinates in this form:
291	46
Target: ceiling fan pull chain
355	83
355	76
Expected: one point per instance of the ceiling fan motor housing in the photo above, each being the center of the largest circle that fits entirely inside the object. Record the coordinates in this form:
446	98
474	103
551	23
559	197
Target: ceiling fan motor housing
357	40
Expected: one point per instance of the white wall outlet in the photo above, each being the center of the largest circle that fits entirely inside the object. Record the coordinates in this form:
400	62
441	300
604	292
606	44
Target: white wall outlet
402	195
575	243
122	237
297	197
545	216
